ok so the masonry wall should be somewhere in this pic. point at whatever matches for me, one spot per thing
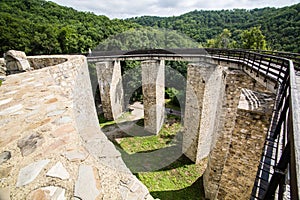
(221, 146)
(243, 158)
(57, 123)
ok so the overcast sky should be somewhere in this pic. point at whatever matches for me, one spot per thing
(132, 8)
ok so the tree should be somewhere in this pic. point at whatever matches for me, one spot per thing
(253, 39)
(223, 40)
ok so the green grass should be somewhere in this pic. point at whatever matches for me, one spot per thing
(181, 180)
(104, 122)
(148, 143)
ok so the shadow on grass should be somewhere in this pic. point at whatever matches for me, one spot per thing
(153, 160)
(193, 192)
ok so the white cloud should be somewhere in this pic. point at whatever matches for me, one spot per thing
(131, 8)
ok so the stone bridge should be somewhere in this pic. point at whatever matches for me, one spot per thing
(242, 112)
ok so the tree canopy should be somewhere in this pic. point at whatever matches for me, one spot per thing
(281, 26)
(43, 27)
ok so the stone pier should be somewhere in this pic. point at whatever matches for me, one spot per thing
(111, 89)
(204, 86)
(153, 80)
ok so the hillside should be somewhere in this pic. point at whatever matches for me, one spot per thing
(42, 27)
(280, 26)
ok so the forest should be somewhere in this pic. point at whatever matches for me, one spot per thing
(44, 27)
(281, 26)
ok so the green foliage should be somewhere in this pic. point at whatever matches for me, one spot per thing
(281, 26)
(223, 40)
(176, 96)
(43, 27)
(147, 38)
(253, 39)
(132, 81)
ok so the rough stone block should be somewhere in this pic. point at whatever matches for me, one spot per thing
(16, 61)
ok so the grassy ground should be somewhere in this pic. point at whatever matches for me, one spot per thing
(181, 180)
(148, 143)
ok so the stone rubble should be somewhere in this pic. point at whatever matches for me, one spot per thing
(75, 155)
(4, 194)
(30, 172)
(29, 144)
(87, 185)
(58, 171)
(16, 61)
(48, 193)
(4, 156)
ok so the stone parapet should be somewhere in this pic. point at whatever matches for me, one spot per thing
(51, 144)
(38, 62)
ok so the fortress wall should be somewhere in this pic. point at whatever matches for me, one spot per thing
(48, 117)
(243, 158)
(218, 158)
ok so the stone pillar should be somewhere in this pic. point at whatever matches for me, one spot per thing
(202, 100)
(193, 107)
(211, 106)
(153, 80)
(111, 89)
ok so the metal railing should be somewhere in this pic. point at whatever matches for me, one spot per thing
(283, 131)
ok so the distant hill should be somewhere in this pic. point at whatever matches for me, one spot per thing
(280, 26)
(42, 27)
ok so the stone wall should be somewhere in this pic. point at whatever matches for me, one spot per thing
(222, 147)
(51, 140)
(38, 62)
(153, 83)
(246, 146)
